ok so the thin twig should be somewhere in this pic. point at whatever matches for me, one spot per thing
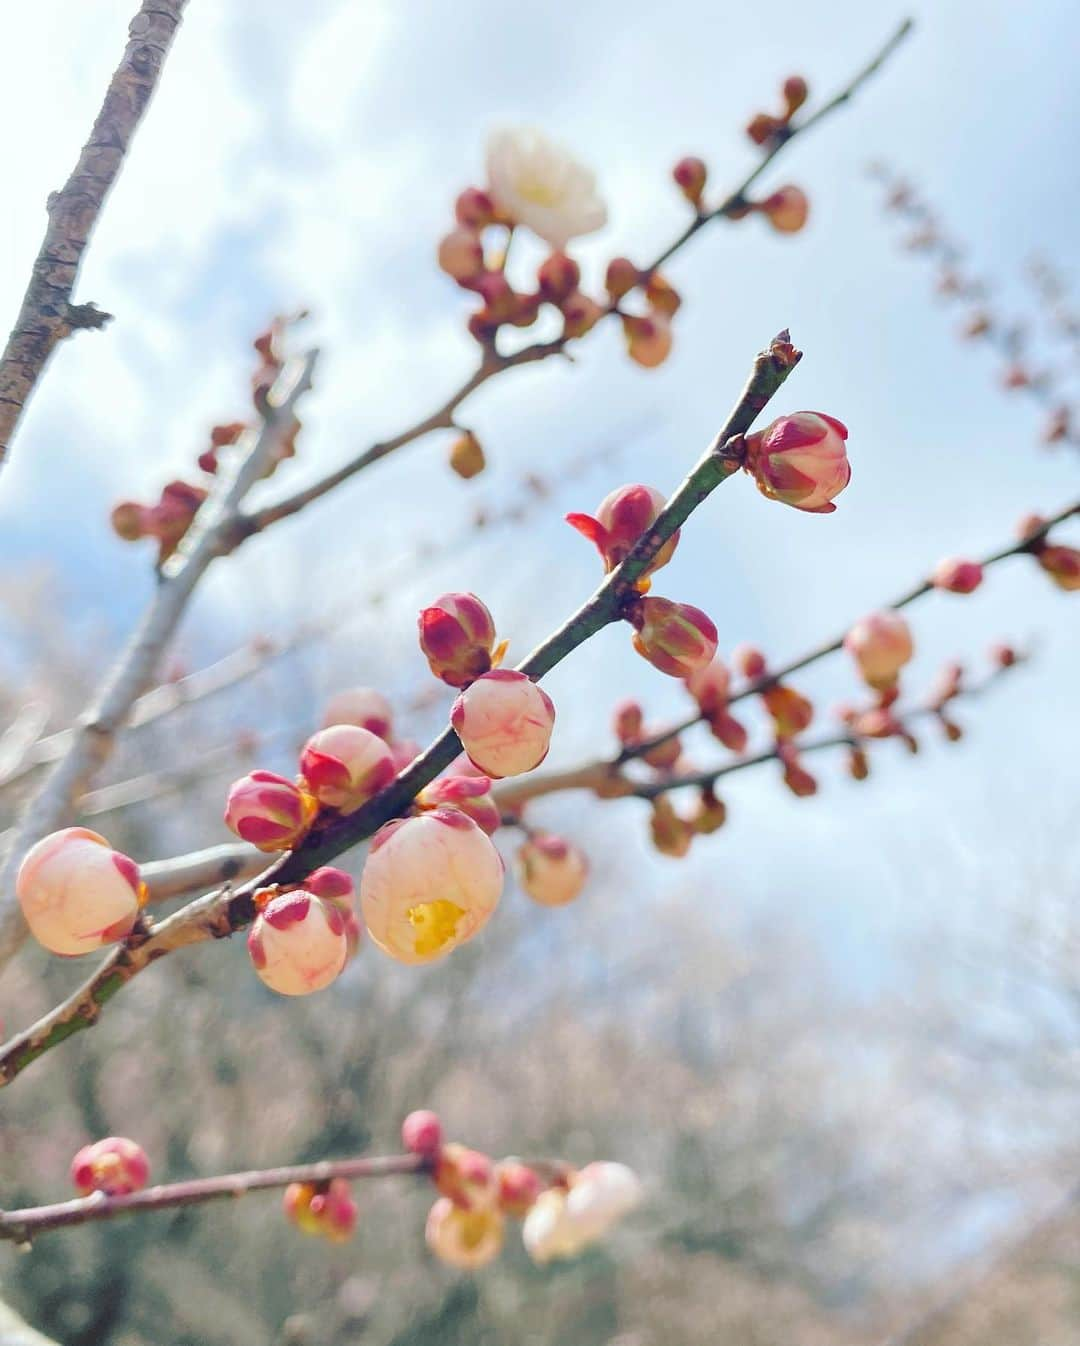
(47, 314)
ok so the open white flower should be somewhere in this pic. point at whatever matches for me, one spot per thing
(542, 186)
(562, 1224)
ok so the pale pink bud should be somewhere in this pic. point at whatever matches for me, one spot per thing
(429, 884)
(796, 92)
(786, 209)
(297, 943)
(551, 870)
(622, 517)
(269, 811)
(457, 636)
(76, 893)
(729, 731)
(690, 174)
(957, 576)
(344, 766)
(328, 1212)
(881, 645)
(504, 721)
(421, 1132)
(675, 638)
(710, 686)
(800, 460)
(600, 1196)
(628, 721)
(116, 1166)
(470, 794)
(664, 755)
(750, 662)
(362, 706)
(648, 339)
(466, 1239)
(517, 1186)
(558, 277)
(461, 255)
(474, 209)
(1062, 564)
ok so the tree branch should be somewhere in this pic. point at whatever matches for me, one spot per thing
(47, 314)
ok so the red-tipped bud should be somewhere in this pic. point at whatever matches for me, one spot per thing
(800, 460)
(762, 128)
(786, 209)
(332, 885)
(467, 456)
(621, 277)
(664, 755)
(324, 1211)
(648, 339)
(796, 92)
(422, 1132)
(675, 638)
(580, 314)
(474, 209)
(957, 576)
(558, 277)
(690, 175)
(1062, 564)
(729, 731)
(662, 296)
(76, 893)
(207, 461)
(797, 779)
(627, 721)
(790, 710)
(621, 519)
(116, 1166)
(881, 645)
(1004, 656)
(461, 256)
(551, 870)
(516, 1187)
(471, 794)
(297, 943)
(344, 766)
(457, 636)
(710, 687)
(750, 662)
(504, 721)
(269, 811)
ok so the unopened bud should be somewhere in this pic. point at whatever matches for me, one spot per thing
(457, 636)
(648, 339)
(690, 175)
(676, 638)
(467, 456)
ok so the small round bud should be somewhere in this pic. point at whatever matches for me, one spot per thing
(269, 811)
(504, 721)
(690, 175)
(628, 721)
(467, 456)
(1062, 564)
(622, 517)
(580, 314)
(297, 943)
(116, 1166)
(76, 893)
(750, 662)
(648, 339)
(130, 521)
(957, 576)
(208, 461)
(798, 780)
(457, 636)
(344, 766)
(421, 1132)
(674, 637)
(466, 1239)
(762, 128)
(429, 884)
(881, 645)
(559, 277)
(621, 277)
(474, 209)
(461, 256)
(800, 460)
(517, 1186)
(1003, 655)
(786, 210)
(796, 92)
(471, 794)
(362, 706)
(551, 870)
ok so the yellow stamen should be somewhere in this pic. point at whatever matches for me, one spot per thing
(435, 924)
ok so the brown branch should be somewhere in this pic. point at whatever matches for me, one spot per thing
(47, 314)
(219, 914)
(22, 1226)
(493, 362)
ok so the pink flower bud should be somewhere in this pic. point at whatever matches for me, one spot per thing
(327, 1212)
(115, 1166)
(762, 128)
(664, 755)
(461, 256)
(690, 175)
(466, 1239)
(675, 638)
(76, 893)
(269, 811)
(421, 1132)
(648, 339)
(517, 1187)
(466, 1177)
(628, 720)
(580, 314)
(297, 943)
(1004, 656)
(500, 300)
(457, 636)
(558, 277)
(467, 456)
(344, 766)
(474, 209)
(622, 276)
(332, 885)
(797, 779)
(710, 686)
(728, 730)
(470, 794)
(1062, 564)
(429, 884)
(790, 710)
(800, 460)
(551, 870)
(504, 721)
(957, 576)
(622, 517)
(361, 706)
(881, 645)
(796, 92)
(750, 662)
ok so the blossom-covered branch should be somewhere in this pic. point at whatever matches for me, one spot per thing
(47, 314)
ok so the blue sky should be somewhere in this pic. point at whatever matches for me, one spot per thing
(310, 154)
